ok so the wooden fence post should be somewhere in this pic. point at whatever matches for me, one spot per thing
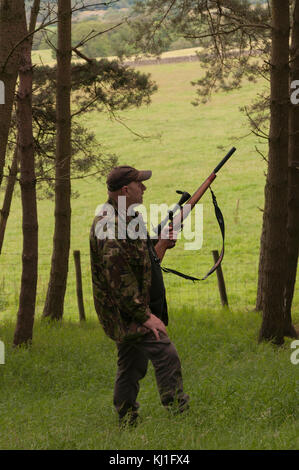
(220, 278)
(79, 285)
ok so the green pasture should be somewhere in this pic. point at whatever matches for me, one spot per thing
(42, 57)
(58, 394)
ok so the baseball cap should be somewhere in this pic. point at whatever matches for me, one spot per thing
(122, 175)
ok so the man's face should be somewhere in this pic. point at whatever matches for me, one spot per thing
(134, 192)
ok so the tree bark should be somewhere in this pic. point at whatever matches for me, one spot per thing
(275, 217)
(77, 260)
(293, 183)
(25, 319)
(12, 30)
(4, 212)
(61, 243)
(259, 297)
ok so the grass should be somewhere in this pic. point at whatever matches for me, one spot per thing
(58, 394)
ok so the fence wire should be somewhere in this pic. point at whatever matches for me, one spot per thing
(240, 276)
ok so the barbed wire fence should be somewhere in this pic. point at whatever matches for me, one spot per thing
(240, 281)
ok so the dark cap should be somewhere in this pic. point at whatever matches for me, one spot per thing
(122, 175)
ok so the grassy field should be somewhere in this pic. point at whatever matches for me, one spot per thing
(59, 393)
(45, 57)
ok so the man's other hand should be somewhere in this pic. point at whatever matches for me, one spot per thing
(155, 325)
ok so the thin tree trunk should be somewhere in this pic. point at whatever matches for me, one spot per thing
(12, 30)
(61, 243)
(79, 285)
(275, 218)
(4, 212)
(293, 183)
(33, 19)
(24, 327)
(259, 297)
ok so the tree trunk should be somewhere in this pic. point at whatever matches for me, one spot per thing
(12, 30)
(275, 217)
(4, 212)
(293, 183)
(24, 327)
(61, 242)
(259, 297)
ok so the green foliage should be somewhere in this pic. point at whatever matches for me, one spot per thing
(115, 42)
(97, 47)
(111, 85)
(228, 33)
(103, 86)
(110, 39)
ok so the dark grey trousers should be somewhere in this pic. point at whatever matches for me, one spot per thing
(132, 364)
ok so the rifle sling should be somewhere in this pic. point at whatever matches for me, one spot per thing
(220, 220)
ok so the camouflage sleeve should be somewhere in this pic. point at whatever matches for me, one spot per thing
(123, 262)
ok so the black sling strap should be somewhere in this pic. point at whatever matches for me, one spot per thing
(220, 220)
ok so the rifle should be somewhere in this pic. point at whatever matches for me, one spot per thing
(184, 210)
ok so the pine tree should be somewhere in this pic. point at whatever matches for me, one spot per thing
(24, 328)
(61, 242)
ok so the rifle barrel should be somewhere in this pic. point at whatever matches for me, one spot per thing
(186, 209)
(224, 160)
(178, 219)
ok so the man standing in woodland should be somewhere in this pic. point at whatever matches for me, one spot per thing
(129, 296)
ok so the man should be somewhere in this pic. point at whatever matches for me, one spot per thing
(129, 296)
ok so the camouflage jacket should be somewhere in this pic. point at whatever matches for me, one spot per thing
(121, 279)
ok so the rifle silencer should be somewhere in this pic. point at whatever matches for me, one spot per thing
(224, 160)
